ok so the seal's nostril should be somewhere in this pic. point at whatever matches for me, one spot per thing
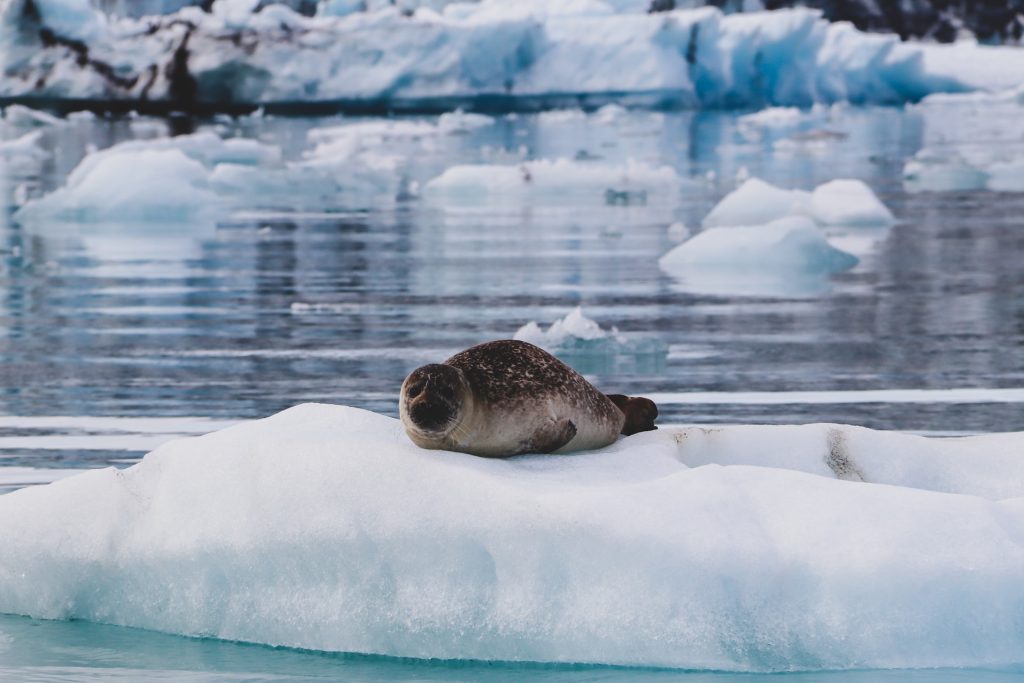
(415, 390)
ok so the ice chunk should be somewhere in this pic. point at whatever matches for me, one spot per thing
(848, 202)
(23, 147)
(936, 172)
(793, 243)
(147, 185)
(323, 528)
(591, 349)
(755, 202)
(459, 121)
(559, 181)
(946, 171)
(574, 325)
(839, 202)
(25, 117)
(786, 257)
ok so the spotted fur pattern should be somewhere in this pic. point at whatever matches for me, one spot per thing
(524, 400)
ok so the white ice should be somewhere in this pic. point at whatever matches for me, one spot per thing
(559, 181)
(736, 548)
(788, 256)
(690, 57)
(839, 202)
(970, 142)
(575, 325)
(144, 185)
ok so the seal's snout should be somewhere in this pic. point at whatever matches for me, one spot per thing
(640, 413)
(431, 398)
(431, 413)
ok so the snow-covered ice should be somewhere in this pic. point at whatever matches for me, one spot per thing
(738, 548)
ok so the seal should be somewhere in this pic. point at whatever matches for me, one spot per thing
(509, 397)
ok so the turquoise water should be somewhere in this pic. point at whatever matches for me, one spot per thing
(76, 652)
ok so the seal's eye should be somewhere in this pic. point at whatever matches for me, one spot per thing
(415, 390)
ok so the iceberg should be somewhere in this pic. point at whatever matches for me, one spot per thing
(732, 548)
(492, 55)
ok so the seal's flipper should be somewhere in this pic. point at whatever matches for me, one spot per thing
(550, 437)
(640, 413)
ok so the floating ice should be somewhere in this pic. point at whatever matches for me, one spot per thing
(145, 185)
(556, 181)
(839, 202)
(574, 325)
(785, 257)
(167, 180)
(25, 146)
(848, 202)
(955, 157)
(755, 202)
(244, 52)
(793, 242)
(934, 170)
(322, 527)
(25, 117)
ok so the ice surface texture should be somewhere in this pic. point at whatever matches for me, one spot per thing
(510, 51)
(761, 548)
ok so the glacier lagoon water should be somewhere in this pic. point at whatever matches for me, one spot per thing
(77, 652)
(154, 325)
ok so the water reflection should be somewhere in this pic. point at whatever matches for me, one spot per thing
(258, 313)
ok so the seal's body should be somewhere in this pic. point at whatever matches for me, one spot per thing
(504, 398)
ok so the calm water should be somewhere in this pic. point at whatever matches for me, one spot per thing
(79, 652)
(327, 301)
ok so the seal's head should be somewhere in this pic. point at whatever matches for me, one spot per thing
(433, 400)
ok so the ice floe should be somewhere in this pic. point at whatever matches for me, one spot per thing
(735, 548)
(245, 52)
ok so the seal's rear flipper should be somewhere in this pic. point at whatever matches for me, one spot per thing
(640, 413)
(550, 437)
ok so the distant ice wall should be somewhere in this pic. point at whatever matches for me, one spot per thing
(504, 53)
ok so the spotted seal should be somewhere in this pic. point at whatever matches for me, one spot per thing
(509, 397)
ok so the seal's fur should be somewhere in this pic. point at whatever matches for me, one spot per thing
(509, 397)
